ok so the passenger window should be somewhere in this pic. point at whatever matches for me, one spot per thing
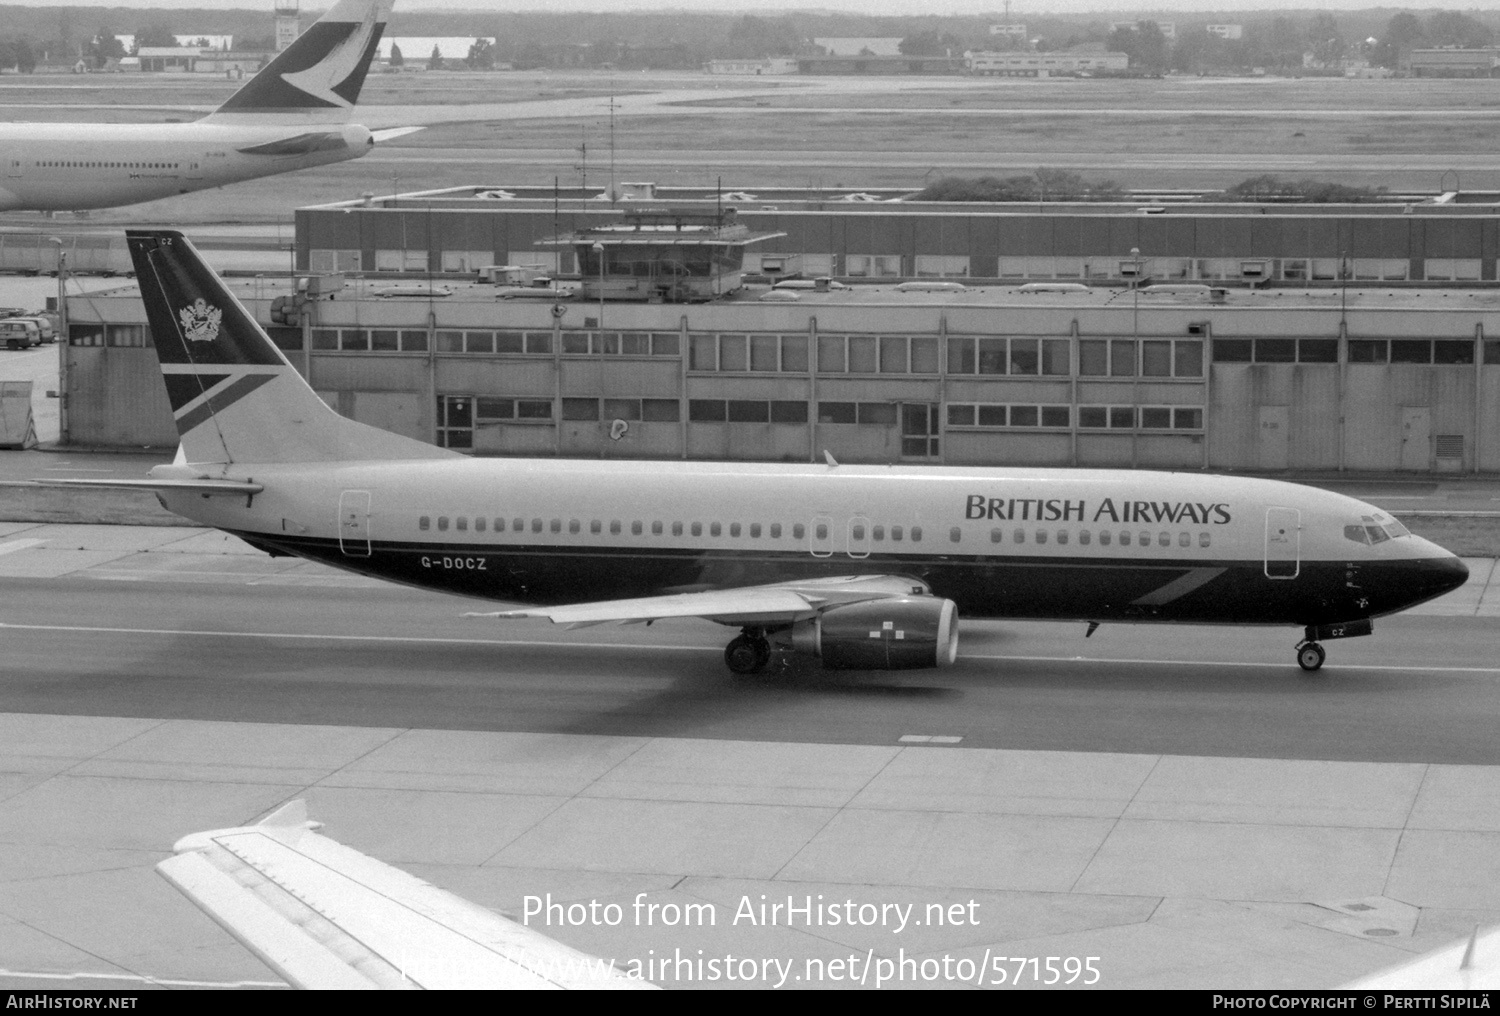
(614, 527)
(1124, 539)
(798, 531)
(461, 524)
(734, 529)
(442, 523)
(755, 530)
(479, 525)
(996, 535)
(896, 533)
(1062, 536)
(656, 529)
(775, 530)
(1145, 539)
(822, 531)
(499, 525)
(1104, 538)
(1019, 536)
(1184, 539)
(536, 525)
(1041, 536)
(1204, 539)
(697, 529)
(916, 534)
(955, 534)
(1084, 537)
(714, 529)
(636, 529)
(858, 532)
(877, 533)
(677, 529)
(425, 523)
(520, 525)
(596, 527)
(556, 525)
(574, 526)
(1164, 539)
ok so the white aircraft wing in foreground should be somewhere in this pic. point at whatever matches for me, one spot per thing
(323, 915)
(1470, 965)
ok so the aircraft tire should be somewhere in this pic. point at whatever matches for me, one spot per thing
(746, 655)
(1310, 656)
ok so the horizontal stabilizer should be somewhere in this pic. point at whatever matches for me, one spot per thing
(205, 487)
(323, 915)
(392, 133)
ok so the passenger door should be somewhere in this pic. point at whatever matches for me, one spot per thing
(1283, 543)
(354, 523)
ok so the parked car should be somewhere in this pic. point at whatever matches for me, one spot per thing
(19, 333)
(44, 325)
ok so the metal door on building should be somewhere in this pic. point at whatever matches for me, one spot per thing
(354, 523)
(1283, 543)
(1416, 438)
(919, 430)
(1273, 437)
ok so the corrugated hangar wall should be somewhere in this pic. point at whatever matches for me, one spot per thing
(1425, 245)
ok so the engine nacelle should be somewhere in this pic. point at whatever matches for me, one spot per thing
(901, 633)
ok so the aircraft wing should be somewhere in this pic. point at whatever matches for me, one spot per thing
(323, 915)
(1470, 965)
(391, 133)
(781, 602)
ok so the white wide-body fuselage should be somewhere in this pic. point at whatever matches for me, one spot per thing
(77, 166)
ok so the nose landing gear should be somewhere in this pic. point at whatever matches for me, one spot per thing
(748, 653)
(1310, 656)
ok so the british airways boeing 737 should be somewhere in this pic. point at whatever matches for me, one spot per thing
(292, 115)
(864, 567)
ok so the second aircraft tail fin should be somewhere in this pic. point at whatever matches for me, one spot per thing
(317, 78)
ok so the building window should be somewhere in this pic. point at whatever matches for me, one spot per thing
(942, 266)
(455, 424)
(872, 266)
(1014, 356)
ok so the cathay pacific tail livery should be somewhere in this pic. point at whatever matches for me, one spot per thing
(864, 567)
(293, 115)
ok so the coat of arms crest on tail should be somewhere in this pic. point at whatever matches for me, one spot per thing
(200, 322)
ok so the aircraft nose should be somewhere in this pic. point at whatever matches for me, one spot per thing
(1429, 577)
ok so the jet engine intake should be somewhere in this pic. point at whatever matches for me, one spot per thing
(900, 633)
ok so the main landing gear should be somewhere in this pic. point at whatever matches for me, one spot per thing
(748, 653)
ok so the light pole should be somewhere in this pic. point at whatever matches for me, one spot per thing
(63, 341)
(599, 253)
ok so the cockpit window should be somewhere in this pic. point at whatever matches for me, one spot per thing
(1377, 534)
(1356, 533)
(1396, 529)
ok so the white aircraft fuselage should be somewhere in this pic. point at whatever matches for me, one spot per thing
(74, 166)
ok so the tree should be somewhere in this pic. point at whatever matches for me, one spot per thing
(103, 48)
(435, 62)
(1403, 33)
(397, 60)
(1450, 28)
(1144, 44)
(481, 55)
(752, 37)
(155, 33)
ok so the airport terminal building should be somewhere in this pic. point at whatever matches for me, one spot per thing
(901, 360)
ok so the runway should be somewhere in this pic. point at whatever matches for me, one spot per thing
(181, 623)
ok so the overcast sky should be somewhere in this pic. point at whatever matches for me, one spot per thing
(1019, 8)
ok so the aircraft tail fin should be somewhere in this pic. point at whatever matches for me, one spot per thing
(318, 77)
(235, 397)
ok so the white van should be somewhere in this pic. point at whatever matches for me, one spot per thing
(43, 325)
(19, 333)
